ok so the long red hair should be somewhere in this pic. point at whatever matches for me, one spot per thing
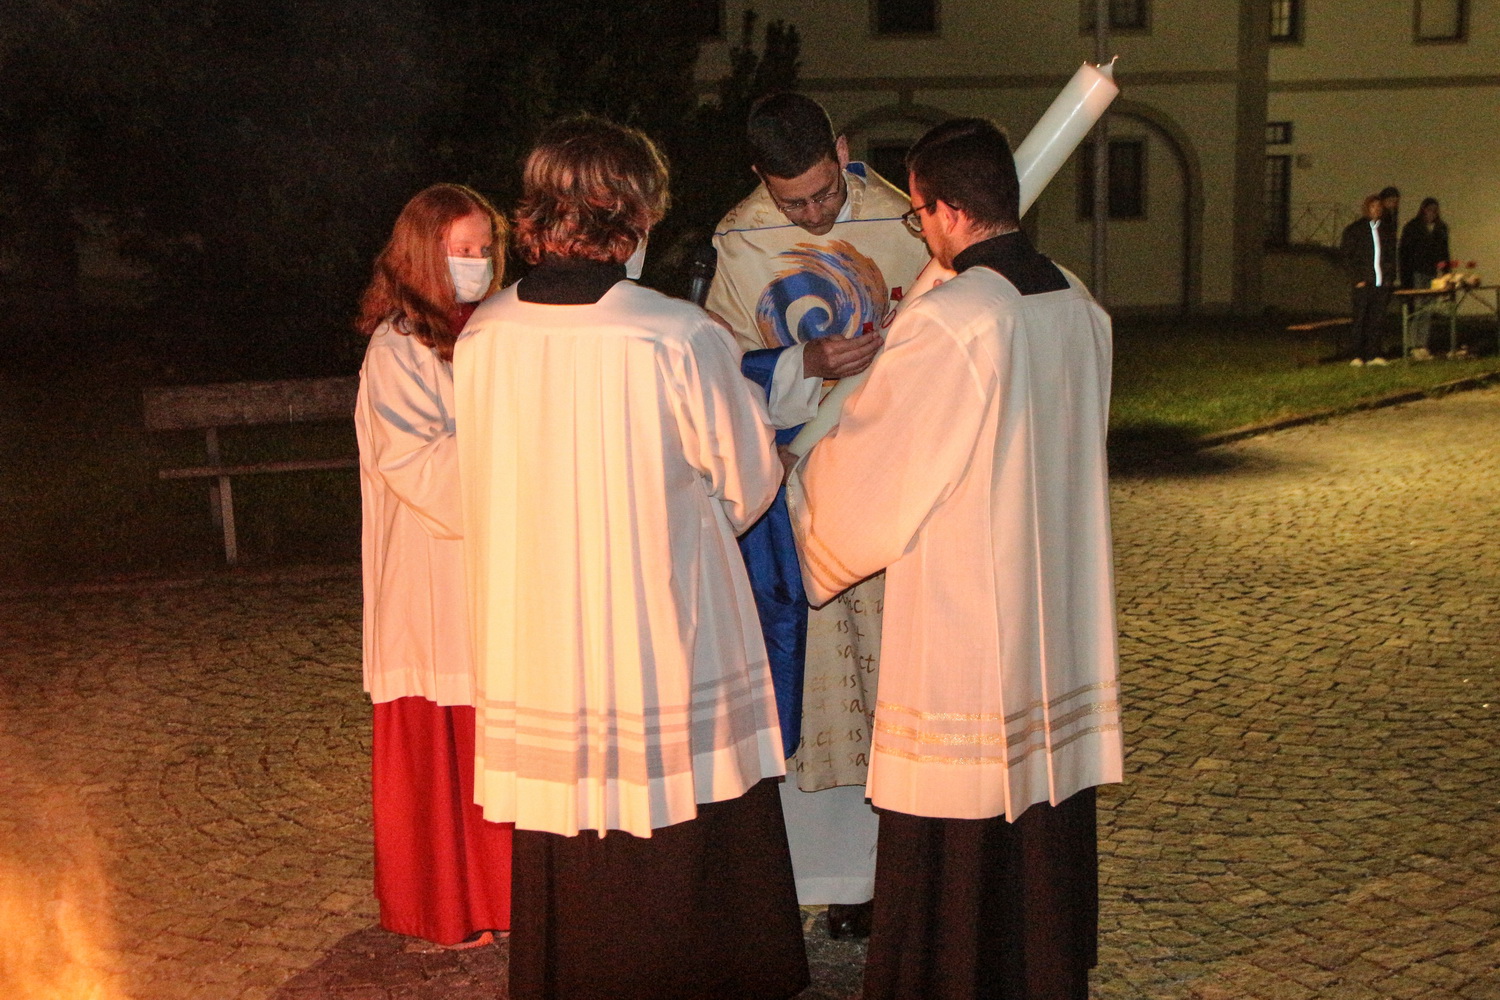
(411, 288)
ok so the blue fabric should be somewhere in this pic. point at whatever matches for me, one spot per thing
(770, 552)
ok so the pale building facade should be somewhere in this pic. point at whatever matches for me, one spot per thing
(1241, 123)
(1387, 92)
(1186, 134)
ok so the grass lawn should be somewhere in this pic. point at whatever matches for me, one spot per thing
(1193, 377)
(80, 497)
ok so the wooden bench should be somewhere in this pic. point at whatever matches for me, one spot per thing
(1321, 324)
(247, 404)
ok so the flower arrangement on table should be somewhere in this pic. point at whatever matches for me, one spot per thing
(1455, 274)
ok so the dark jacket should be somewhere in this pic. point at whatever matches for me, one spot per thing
(1422, 249)
(1359, 253)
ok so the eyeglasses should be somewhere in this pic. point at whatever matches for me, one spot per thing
(803, 204)
(913, 221)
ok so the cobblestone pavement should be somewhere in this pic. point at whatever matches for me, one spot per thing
(1311, 626)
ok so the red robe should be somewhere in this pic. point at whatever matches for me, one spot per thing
(441, 871)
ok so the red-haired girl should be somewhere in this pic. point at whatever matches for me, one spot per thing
(441, 871)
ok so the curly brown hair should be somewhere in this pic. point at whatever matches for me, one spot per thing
(590, 189)
(411, 288)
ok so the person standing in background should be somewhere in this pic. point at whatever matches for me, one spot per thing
(1390, 210)
(1424, 246)
(1370, 259)
(441, 871)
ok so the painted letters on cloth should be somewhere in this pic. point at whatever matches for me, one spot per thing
(838, 707)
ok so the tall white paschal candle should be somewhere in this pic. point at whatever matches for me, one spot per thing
(1049, 144)
(1038, 159)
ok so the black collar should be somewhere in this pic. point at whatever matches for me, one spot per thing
(569, 281)
(1012, 256)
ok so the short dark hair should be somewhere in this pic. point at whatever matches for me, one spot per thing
(1390, 192)
(590, 189)
(789, 134)
(967, 163)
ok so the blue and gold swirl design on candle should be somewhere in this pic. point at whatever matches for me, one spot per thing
(820, 291)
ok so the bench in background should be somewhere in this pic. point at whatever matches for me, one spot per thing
(248, 404)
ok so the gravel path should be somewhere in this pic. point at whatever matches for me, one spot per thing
(1311, 633)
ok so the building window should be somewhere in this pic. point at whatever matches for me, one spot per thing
(905, 17)
(1442, 20)
(1278, 200)
(1127, 179)
(1124, 15)
(1278, 133)
(1286, 20)
(888, 159)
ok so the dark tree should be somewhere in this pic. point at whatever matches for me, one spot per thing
(251, 154)
(711, 158)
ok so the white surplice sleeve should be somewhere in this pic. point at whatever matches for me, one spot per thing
(861, 495)
(409, 394)
(725, 432)
(794, 397)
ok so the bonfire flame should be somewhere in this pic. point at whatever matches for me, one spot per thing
(56, 930)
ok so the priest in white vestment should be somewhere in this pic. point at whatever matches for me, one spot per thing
(815, 255)
(972, 467)
(609, 452)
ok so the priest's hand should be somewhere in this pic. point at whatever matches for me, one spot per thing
(839, 357)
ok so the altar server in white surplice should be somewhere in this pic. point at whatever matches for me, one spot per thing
(609, 451)
(815, 255)
(442, 872)
(972, 466)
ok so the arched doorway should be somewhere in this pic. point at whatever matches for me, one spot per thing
(880, 135)
(1175, 140)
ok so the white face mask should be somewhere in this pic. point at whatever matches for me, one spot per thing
(636, 261)
(471, 277)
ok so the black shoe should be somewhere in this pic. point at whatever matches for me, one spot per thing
(850, 920)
